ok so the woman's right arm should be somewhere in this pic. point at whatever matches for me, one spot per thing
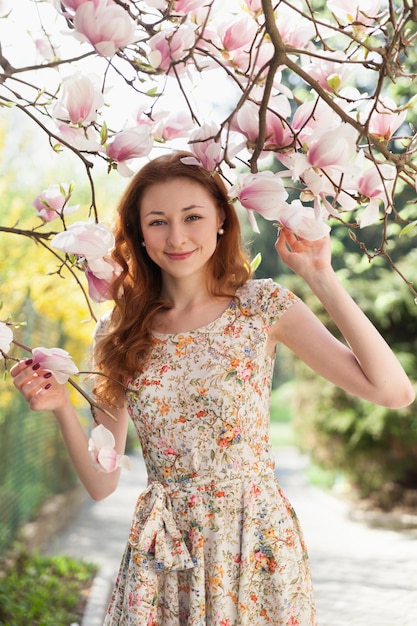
(43, 393)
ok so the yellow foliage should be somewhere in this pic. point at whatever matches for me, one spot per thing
(28, 277)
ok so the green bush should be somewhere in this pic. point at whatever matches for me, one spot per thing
(370, 444)
(39, 590)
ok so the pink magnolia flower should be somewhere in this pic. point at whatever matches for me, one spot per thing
(102, 453)
(207, 149)
(85, 139)
(263, 193)
(362, 11)
(246, 121)
(44, 49)
(56, 361)
(325, 151)
(376, 185)
(278, 134)
(79, 100)
(312, 118)
(99, 289)
(254, 63)
(384, 119)
(101, 273)
(106, 25)
(171, 45)
(52, 202)
(302, 221)
(129, 144)
(167, 126)
(255, 6)
(331, 73)
(188, 6)
(85, 239)
(294, 29)
(238, 33)
(6, 338)
(74, 4)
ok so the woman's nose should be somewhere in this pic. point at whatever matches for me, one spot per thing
(176, 235)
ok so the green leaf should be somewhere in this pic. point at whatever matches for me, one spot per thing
(256, 261)
(153, 92)
(103, 133)
(408, 228)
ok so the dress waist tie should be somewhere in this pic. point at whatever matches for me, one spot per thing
(154, 537)
(155, 546)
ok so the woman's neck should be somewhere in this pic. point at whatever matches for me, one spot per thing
(193, 306)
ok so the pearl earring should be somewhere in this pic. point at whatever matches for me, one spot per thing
(143, 244)
(220, 231)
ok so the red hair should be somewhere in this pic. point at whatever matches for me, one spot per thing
(122, 351)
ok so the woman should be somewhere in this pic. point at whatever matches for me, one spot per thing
(187, 353)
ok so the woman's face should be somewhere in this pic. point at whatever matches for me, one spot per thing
(179, 221)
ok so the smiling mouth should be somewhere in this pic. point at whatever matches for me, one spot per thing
(179, 256)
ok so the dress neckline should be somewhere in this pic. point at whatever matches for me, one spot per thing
(200, 329)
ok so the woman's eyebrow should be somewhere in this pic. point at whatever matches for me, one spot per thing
(186, 208)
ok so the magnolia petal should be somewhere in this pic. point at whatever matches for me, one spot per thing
(102, 437)
(124, 170)
(191, 161)
(56, 361)
(60, 377)
(371, 213)
(107, 459)
(6, 337)
(252, 221)
(123, 461)
(105, 48)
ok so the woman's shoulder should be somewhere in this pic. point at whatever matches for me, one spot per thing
(265, 296)
(102, 325)
(263, 288)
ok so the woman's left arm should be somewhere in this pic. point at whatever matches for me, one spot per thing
(366, 366)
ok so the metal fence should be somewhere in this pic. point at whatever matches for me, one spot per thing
(33, 461)
(33, 466)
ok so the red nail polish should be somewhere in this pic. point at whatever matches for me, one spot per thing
(48, 386)
(29, 361)
(48, 375)
(36, 366)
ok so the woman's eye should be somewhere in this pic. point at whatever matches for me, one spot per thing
(156, 223)
(193, 218)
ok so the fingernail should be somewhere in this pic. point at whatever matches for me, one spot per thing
(36, 366)
(48, 386)
(48, 375)
(29, 361)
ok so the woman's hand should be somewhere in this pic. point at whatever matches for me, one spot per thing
(38, 386)
(301, 255)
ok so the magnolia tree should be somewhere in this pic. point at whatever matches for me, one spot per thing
(294, 103)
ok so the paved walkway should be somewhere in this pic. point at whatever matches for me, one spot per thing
(363, 576)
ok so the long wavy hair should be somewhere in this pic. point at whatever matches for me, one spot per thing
(121, 351)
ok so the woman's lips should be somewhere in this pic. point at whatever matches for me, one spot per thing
(179, 256)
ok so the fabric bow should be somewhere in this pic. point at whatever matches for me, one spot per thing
(155, 547)
(154, 535)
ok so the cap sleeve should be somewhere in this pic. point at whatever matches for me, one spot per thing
(269, 299)
(101, 327)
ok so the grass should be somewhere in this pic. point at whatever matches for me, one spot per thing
(44, 591)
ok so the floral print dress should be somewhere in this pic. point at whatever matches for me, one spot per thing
(214, 541)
